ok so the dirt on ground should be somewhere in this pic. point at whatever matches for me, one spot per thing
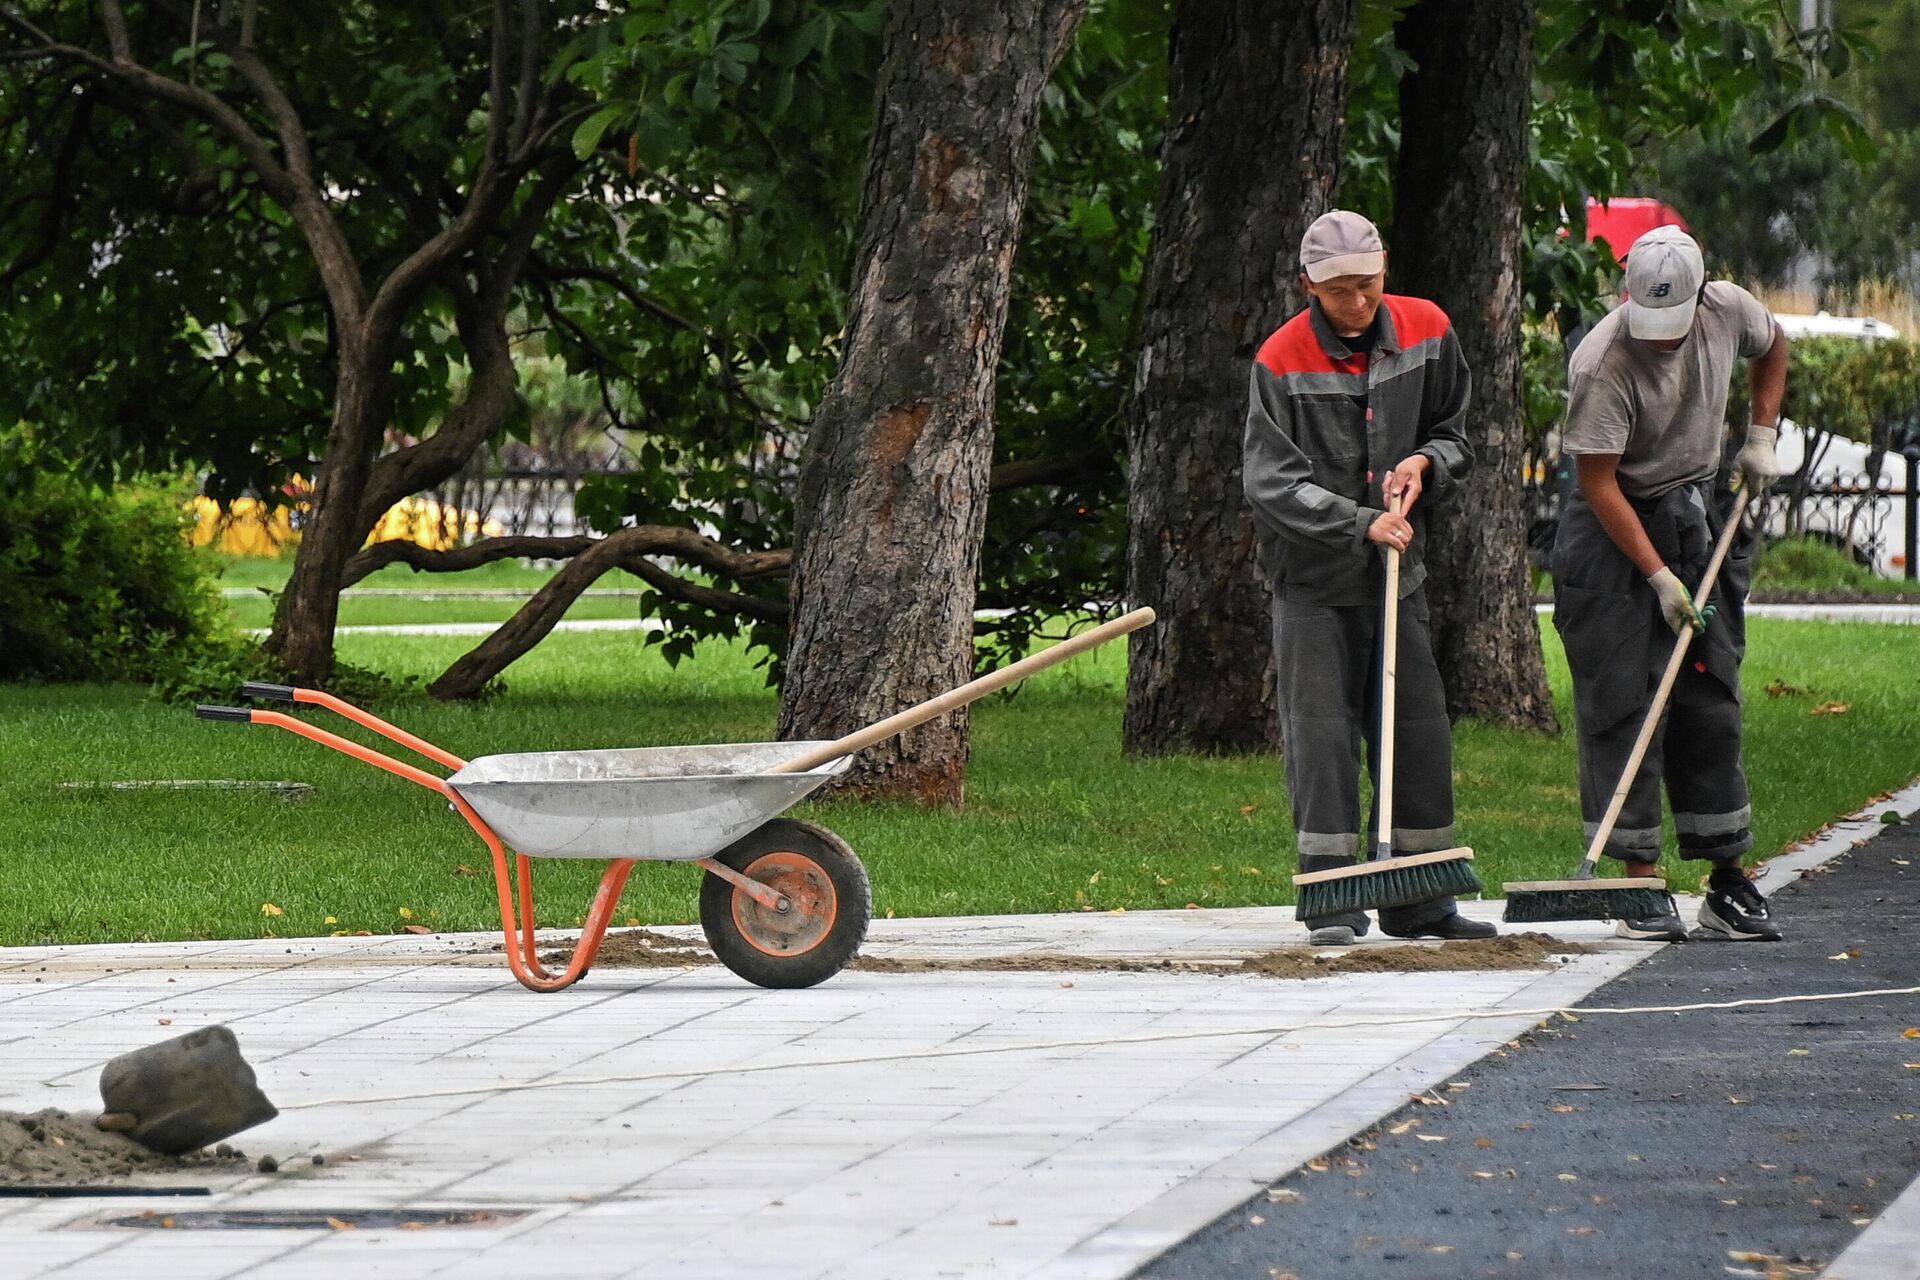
(55, 1148)
(643, 948)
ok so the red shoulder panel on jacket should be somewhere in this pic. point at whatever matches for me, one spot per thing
(1415, 319)
(1292, 348)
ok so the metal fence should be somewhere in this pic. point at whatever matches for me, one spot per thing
(517, 490)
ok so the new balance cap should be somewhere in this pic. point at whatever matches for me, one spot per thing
(1341, 243)
(1664, 276)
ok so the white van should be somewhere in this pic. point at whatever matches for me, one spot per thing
(1873, 532)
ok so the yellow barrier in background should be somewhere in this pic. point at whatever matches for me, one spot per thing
(250, 527)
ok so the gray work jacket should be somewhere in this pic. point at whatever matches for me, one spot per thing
(1324, 426)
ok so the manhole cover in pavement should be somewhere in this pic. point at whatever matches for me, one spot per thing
(314, 1219)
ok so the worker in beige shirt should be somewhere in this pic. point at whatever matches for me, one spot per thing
(1646, 422)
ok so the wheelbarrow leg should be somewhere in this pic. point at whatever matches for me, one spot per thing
(529, 951)
(523, 956)
(599, 917)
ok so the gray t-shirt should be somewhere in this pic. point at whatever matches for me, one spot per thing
(1663, 412)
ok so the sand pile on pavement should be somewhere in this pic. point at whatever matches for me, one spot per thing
(644, 948)
(1509, 951)
(54, 1148)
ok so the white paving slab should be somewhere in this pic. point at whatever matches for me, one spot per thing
(1889, 1249)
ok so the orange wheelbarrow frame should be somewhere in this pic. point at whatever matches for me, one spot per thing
(512, 884)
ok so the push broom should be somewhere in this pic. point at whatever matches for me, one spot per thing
(1586, 897)
(1384, 880)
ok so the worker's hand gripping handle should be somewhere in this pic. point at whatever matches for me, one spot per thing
(243, 715)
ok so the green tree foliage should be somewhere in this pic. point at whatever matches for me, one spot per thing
(1614, 81)
(754, 272)
(163, 308)
(1826, 162)
(1863, 391)
(1069, 349)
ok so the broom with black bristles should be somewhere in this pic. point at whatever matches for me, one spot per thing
(1586, 897)
(1384, 880)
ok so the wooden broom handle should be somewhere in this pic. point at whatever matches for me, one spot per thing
(954, 699)
(1389, 672)
(1672, 673)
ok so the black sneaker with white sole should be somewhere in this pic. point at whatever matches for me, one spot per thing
(1734, 910)
(1665, 927)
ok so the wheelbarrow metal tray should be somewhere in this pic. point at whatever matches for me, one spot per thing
(660, 803)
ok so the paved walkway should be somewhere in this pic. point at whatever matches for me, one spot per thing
(704, 1145)
(1906, 614)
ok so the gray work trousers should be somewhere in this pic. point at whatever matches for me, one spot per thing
(1328, 660)
(1617, 647)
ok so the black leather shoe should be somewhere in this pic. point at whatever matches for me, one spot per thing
(1453, 928)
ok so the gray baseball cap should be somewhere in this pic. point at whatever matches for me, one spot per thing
(1664, 277)
(1341, 243)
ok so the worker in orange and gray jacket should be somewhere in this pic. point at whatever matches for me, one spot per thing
(1357, 401)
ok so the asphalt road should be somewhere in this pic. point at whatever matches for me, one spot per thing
(1646, 1145)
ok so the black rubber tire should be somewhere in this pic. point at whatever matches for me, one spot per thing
(820, 868)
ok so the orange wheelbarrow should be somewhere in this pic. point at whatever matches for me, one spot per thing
(785, 903)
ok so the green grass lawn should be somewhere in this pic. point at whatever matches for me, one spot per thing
(256, 571)
(384, 610)
(379, 599)
(1057, 818)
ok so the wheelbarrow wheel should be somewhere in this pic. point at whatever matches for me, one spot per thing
(825, 920)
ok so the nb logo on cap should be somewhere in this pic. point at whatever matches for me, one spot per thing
(1660, 290)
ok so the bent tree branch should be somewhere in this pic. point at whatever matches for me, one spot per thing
(634, 549)
(628, 549)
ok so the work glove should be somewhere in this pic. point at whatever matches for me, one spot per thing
(1676, 606)
(1755, 466)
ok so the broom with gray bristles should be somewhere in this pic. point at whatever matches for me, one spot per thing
(1586, 897)
(1384, 880)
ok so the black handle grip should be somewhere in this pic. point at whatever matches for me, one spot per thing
(243, 715)
(267, 692)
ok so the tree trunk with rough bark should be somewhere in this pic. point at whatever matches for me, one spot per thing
(1456, 239)
(1256, 126)
(893, 489)
(302, 636)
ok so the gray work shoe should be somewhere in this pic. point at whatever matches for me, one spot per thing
(1453, 928)
(1338, 931)
(1665, 927)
